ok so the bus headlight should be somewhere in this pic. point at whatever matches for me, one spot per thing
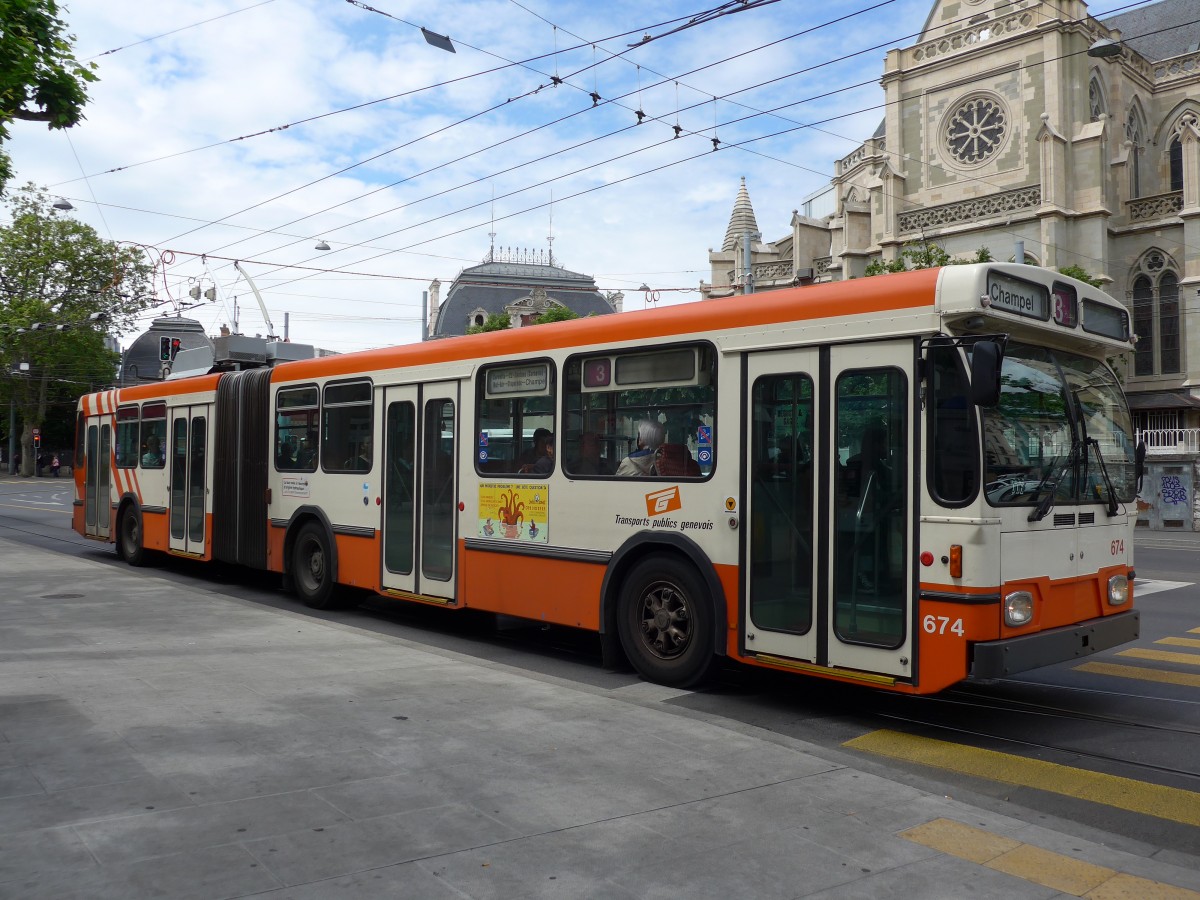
(1018, 608)
(1118, 590)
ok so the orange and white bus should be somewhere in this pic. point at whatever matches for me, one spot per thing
(903, 481)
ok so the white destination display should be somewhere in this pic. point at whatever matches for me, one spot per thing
(518, 380)
(1016, 296)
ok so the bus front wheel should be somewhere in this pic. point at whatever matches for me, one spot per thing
(129, 537)
(312, 573)
(665, 622)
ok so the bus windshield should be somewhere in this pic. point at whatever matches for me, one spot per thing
(1062, 427)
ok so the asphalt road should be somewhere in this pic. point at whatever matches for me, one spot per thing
(1131, 713)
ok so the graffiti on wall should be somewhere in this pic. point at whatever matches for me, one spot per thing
(1173, 490)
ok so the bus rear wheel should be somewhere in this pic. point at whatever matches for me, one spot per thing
(312, 573)
(129, 537)
(665, 622)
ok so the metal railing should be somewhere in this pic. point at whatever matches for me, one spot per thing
(1169, 440)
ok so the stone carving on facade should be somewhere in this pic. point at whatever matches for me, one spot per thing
(1177, 67)
(969, 37)
(970, 210)
(975, 131)
(821, 265)
(775, 271)
(1160, 206)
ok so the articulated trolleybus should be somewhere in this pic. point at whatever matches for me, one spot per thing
(903, 481)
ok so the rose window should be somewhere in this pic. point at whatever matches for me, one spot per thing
(975, 130)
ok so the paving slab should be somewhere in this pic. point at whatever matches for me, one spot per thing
(168, 740)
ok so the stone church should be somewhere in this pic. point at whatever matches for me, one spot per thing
(1030, 124)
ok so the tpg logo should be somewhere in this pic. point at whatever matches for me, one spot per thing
(664, 501)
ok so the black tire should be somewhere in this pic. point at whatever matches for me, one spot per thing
(129, 537)
(312, 568)
(666, 623)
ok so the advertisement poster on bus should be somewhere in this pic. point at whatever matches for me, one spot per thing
(514, 512)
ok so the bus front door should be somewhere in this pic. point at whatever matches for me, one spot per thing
(97, 504)
(780, 608)
(188, 494)
(829, 506)
(420, 494)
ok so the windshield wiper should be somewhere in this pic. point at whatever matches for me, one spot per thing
(1050, 479)
(1111, 505)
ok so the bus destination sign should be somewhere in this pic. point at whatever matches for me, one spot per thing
(1016, 296)
(518, 380)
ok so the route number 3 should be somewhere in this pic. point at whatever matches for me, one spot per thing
(941, 624)
(1117, 548)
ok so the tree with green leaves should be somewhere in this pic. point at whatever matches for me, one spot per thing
(494, 322)
(924, 255)
(1080, 274)
(62, 287)
(40, 79)
(556, 314)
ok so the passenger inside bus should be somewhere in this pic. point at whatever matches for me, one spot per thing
(306, 457)
(545, 461)
(641, 461)
(362, 461)
(284, 457)
(152, 458)
(590, 461)
(532, 454)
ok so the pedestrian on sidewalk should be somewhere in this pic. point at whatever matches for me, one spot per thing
(55, 465)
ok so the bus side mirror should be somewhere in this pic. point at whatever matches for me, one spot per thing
(987, 357)
(1139, 464)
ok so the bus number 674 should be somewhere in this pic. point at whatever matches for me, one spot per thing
(941, 624)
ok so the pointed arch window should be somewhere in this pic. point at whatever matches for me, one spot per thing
(1135, 133)
(1175, 148)
(1168, 323)
(1096, 103)
(1156, 319)
(1175, 155)
(1143, 325)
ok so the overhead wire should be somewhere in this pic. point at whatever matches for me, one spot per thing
(577, 195)
(568, 116)
(736, 144)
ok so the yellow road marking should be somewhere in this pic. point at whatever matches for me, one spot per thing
(1179, 642)
(1053, 870)
(1140, 673)
(1123, 793)
(1187, 659)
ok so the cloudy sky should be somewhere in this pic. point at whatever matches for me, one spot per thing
(253, 129)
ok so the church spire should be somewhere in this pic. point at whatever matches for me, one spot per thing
(741, 220)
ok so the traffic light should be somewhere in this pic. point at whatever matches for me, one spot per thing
(37, 442)
(164, 348)
(174, 348)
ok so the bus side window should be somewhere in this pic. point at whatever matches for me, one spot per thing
(297, 412)
(346, 425)
(641, 414)
(515, 415)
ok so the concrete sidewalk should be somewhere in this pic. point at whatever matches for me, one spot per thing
(160, 741)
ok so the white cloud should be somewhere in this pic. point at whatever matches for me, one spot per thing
(288, 60)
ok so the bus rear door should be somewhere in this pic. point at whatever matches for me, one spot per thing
(96, 500)
(420, 494)
(189, 491)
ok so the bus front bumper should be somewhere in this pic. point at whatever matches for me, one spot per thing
(996, 659)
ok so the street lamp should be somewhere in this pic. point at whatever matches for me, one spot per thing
(63, 204)
(1104, 48)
